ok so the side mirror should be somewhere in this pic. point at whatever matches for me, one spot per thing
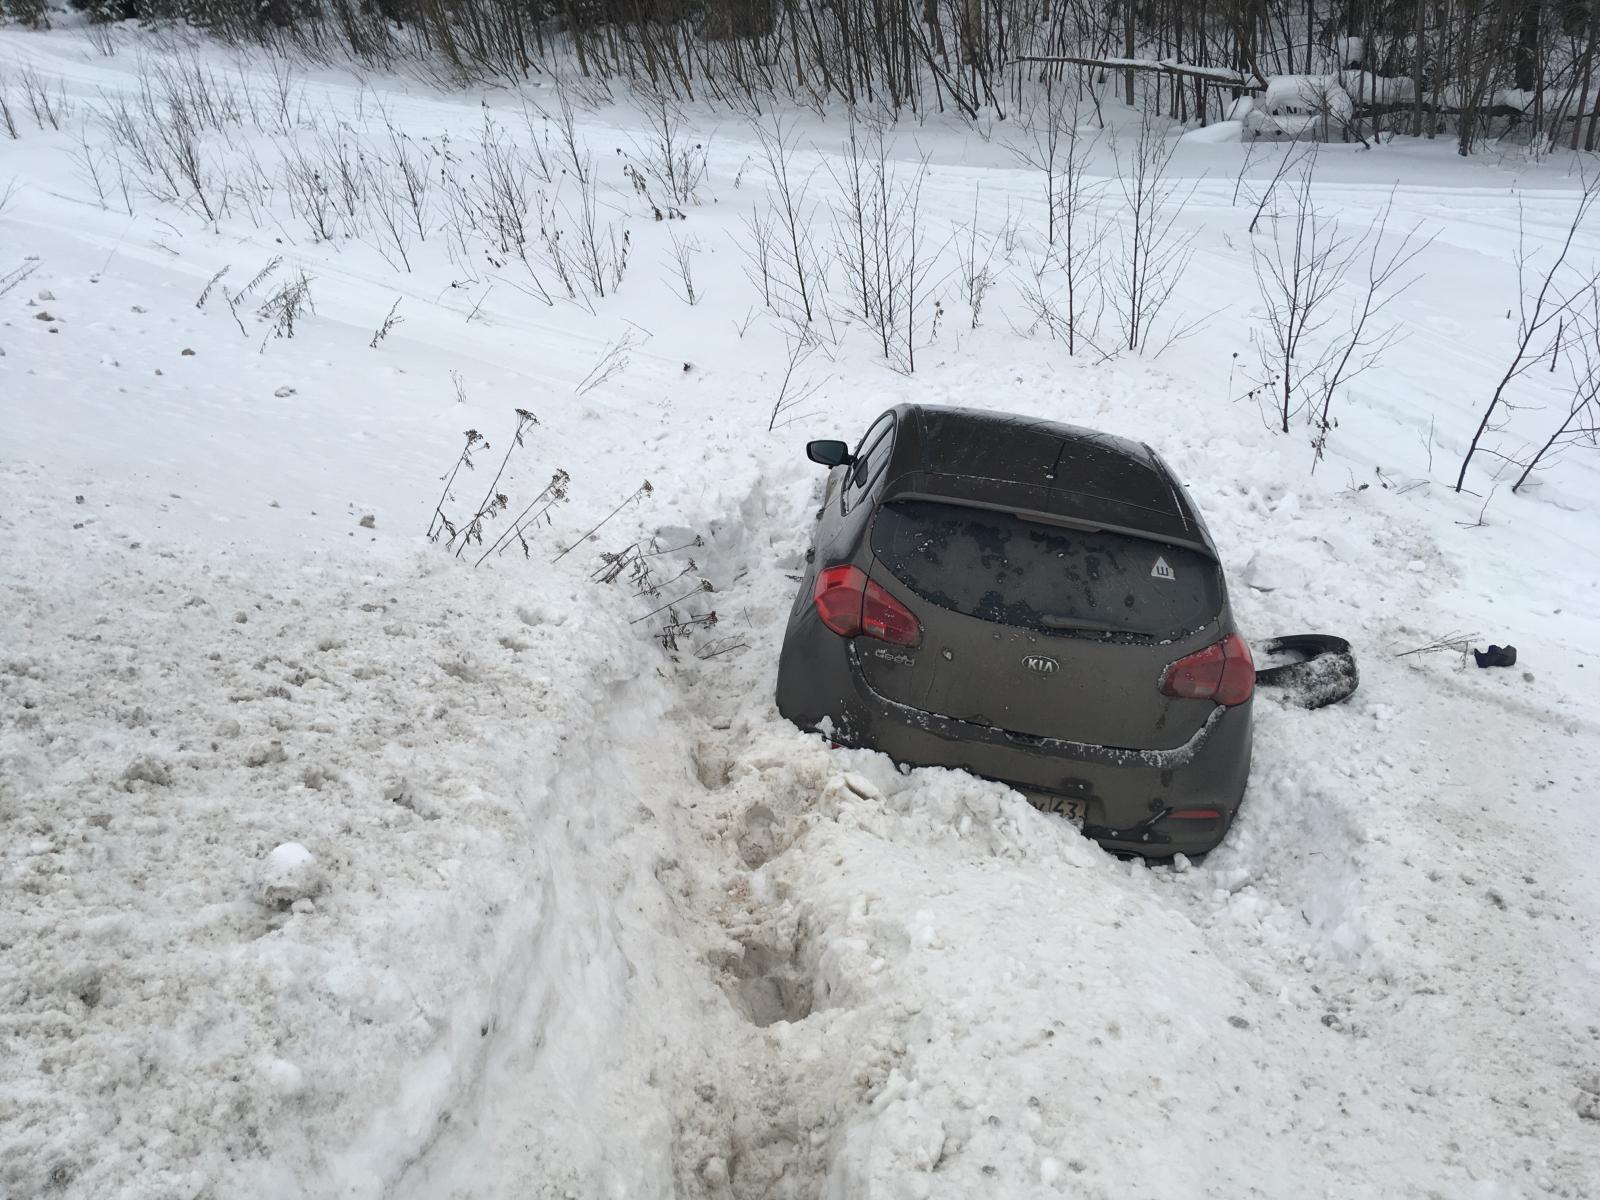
(828, 453)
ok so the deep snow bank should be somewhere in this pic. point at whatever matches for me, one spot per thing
(172, 715)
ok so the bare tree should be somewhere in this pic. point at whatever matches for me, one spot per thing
(1081, 237)
(1294, 155)
(1298, 274)
(1150, 256)
(854, 220)
(976, 266)
(794, 392)
(801, 280)
(1539, 314)
(1367, 337)
(1051, 132)
(1581, 424)
(916, 264)
(880, 238)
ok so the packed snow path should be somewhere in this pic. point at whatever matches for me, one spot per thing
(596, 922)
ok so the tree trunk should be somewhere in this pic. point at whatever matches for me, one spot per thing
(1588, 73)
(1127, 49)
(1527, 54)
(1417, 68)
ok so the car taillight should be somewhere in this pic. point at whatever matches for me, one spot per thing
(1224, 672)
(852, 605)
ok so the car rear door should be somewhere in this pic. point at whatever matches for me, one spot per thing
(1041, 629)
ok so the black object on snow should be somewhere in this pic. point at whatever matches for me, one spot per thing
(1496, 656)
(1323, 674)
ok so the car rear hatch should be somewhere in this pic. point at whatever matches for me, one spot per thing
(1042, 628)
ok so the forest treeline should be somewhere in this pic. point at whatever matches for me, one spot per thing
(1467, 68)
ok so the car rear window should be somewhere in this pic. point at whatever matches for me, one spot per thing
(1003, 568)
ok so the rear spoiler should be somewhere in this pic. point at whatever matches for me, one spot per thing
(1052, 506)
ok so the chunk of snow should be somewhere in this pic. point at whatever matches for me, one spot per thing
(147, 768)
(288, 874)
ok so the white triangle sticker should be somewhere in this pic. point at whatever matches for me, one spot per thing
(1161, 570)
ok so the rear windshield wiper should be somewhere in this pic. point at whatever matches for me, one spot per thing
(1053, 622)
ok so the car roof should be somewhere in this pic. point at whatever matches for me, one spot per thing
(1077, 475)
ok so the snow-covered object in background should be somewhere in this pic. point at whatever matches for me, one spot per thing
(1365, 87)
(1516, 99)
(289, 874)
(1308, 107)
(1348, 50)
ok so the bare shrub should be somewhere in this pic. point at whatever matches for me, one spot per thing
(412, 181)
(976, 266)
(391, 224)
(639, 493)
(1540, 313)
(500, 190)
(1064, 293)
(587, 253)
(601, 255)
(8, 119)
(798, 271)
(881, 241)
(536, 510)
(1051, 146)
(759, 249)
(571, 154)
(613, 360)
(1150, 255)
(440, 524)
(1298, 275)
(494, 501)
(310, 196)
(287, 95)
(1294, 155)
(1367, 337)
(344, 169)
(12, 278)
(1580, 426)
(205, 292)
(102, 37)
(389, 323)
(47, 99)
(794, 392)
(542, 154)
(286, 308)
(671, 154)
(88, 161)
(682, 261)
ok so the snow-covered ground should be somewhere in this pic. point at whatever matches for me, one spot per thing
(584, 918)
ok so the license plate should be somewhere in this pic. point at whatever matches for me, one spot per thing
(1065, 806)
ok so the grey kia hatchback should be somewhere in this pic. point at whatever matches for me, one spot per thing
(1034, 603)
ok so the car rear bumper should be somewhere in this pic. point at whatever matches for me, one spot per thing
(1129, 796)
